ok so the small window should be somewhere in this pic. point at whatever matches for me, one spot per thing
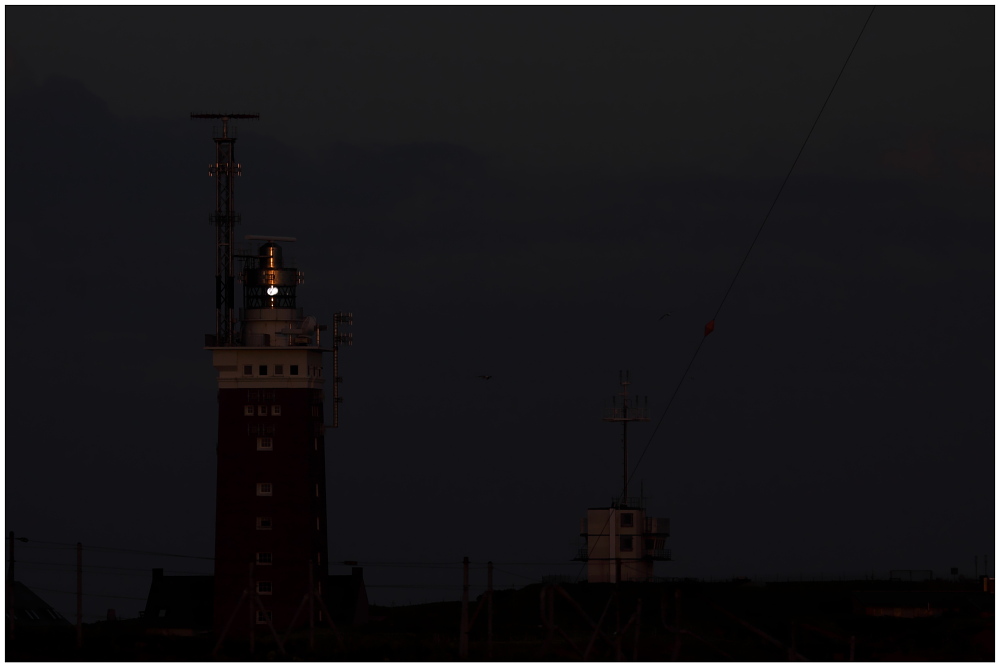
(317, 490)
(264, 616)
(248, 411)
(263, 489)
(279, 369)
(264, 559)
(261, 410)
(263, 523)
(649, 543)
(262, 369)
(627, 520)
(317, 524)
(293, 369)
(263, 587)
(315, 411)
(316, 443)
(275, 410)
(247, 369)
(265, 443)
(626, 544)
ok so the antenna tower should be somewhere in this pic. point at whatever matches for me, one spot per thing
(225, 170)
(339, 338)
(629, 410)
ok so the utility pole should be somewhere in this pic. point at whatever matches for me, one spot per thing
(10, 582)
(629, 411)
(339, 338)
(463, 638)
(489, 610)
(252, 590)
(79, 595)
(312, 610)
(10, 586)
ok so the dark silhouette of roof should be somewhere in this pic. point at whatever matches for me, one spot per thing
(347, 598)
(179, 601)
(31, 611)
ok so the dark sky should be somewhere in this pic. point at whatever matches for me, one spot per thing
(520, 192)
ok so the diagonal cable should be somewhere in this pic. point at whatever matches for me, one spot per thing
(754, 241)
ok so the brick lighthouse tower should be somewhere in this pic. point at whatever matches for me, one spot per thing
(270, 520)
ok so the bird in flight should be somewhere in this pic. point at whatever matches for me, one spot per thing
(484, 377)
(662, 316)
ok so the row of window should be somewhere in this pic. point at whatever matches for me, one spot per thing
(261, 410)
(267, 559)
(266, 587)
(257, 429)
(266, 489)
(266, 443)
(264, 524)
(626, 543)
(279, 369)
(249, 410)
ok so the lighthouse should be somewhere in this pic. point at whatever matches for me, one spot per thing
(270, 516)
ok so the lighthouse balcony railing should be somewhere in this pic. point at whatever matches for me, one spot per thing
(630, 502)
(299, 313)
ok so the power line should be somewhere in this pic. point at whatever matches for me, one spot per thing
(101, 548)
(88, 593)
(740, 268)
(516, 575)
(96, 569)
(756, 236)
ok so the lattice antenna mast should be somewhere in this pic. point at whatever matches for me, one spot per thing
(225, 170)
(339, 338)
(629, 410)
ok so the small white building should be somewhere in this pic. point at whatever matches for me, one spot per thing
(622, 542)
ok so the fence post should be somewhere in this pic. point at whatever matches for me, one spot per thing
(253, 628)
(489, 610)
(312, 609)
(79, 595)
(463, 637)
(638, 623)
(676, 652)
(597, 629)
